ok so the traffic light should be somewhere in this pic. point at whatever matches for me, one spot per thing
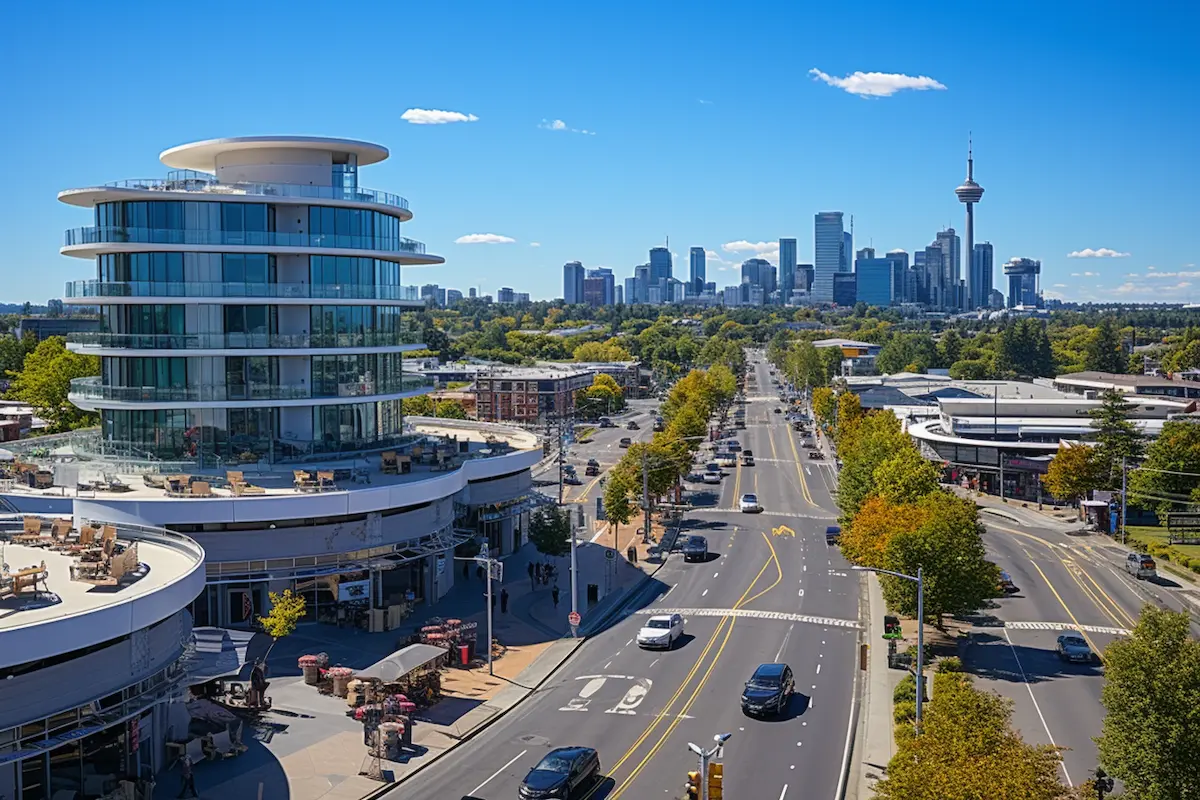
(692, 786)
(715, 774)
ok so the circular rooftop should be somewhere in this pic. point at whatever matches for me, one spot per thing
(202, 156)
(969, 192)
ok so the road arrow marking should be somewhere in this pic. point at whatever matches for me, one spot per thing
(783, 530)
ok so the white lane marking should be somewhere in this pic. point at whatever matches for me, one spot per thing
(633, 698)
(753, 614)
(609, 664)
(786, 636)
(715, 574)
(497, 772)
(704, 593)
(667, 592)
(818, 667)
(807, 471)
(629, 643)
(799, 743)
(1029, 688)
(802, 593)
(781, 794)
(652, 663)
(806, 567)
(810, 701)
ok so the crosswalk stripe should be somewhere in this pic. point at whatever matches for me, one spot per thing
(1064, 626)
(752, 614)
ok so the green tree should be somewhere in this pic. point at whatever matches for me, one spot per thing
(831, 363)
(420, 406)
(1073, 472)
(450, 409)
(824, 405)
(849, 414)
(905, 477)
(287, 609)
(1151, 697)
(948, 546)
(550, 530)
(13, 352)
(949, 349)
(620, 504)
(971, 369)
(1169, 474)
(802, 365)
(1023, 349)
(1117, 437)
(45, 379)
(610, 350)
(876, 438)
(968, 750)
(1103, 352)
(907, 349)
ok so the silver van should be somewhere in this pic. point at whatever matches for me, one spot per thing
(1140, 566)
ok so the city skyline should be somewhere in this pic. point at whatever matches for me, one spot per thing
(519, 177)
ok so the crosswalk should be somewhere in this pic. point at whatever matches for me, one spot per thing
(830, 622)
(1064, 626)
(768, 512)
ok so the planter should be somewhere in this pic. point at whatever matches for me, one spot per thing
(341, 680)
(311, 669)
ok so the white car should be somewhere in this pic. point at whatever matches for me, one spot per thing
(712, 477)
(749, 504)
(661, 630)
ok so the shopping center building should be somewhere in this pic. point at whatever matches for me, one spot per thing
(90, 664)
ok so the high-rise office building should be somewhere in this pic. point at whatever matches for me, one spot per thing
(787, 268)
(847, 250)
(433, 294)
(933, 275)
(845, 289)
(697, 269)
(593, 290)
(619, 294)
(982, 274)
(472, 293)
(873, 278)
(506, 295)
(660, 264)
(828, 244)
(573, 277)
(606, 283)
(949, 242)
(642, 273)
(969, 194)
(453, 297)
(631, 291)
(804, 277)
(899, 261)
(1024, 277)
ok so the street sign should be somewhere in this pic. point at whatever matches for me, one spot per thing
(574, 618)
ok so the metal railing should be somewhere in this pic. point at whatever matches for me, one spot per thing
(93, 389)
(313, 291)
(241, 341)
(189, 181)
(120, 234)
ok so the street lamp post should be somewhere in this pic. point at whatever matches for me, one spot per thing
(918, 579)
(706, 757)
(1104, 784)
(487, 562)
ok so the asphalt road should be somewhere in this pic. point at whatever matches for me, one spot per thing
(771, 591)
(1063, 580)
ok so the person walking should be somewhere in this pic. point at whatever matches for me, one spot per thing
(554, 595)
(531, 570)
(189, 779)
(504, 601)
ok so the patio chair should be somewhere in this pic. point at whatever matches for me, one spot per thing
(201, 489)
(388, 463)
(325, 480)
(235, 476)
(302, 481)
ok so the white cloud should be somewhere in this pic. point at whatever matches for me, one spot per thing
(705, 102)
(1074, 274)
(429, 116)
(877, 84)
(1060, 286)
(1091, 274)
(559, 125)
(743, 246)
(1151, 267)
(1130, 287)
(1103, 252)
(535, 244)
(484, 238)
(1181, 274)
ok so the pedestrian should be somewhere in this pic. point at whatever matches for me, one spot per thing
(189, 780)
(554, 595)
(531, 570)
(504, 601)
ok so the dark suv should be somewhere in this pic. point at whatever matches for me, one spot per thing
(562, 773)
(695, 548)
(768, 691)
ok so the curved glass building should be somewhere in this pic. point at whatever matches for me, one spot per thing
(251, 304)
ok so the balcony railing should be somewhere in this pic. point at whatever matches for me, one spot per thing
(120, 234)
(241, 341)
(311, 291)
(93, 389)
(203, 183)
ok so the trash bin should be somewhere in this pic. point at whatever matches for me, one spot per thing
(593, 593)
(464, 656)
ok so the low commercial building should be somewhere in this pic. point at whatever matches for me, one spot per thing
(1091, 384)
(527, 394)
(858, 358)
(625, 373)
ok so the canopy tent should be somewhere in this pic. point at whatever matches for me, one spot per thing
(401, 662)
(223, 653)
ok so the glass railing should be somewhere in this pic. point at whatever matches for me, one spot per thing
(93, 389)
(311, 291)
(204, 183)
(242, 341)
(122, 234)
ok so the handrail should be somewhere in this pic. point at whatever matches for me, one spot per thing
(241, 341)
(315, 291)
(187, 181)
(122, 234)
(92, 388)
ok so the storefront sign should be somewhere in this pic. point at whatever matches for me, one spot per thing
(351, 591)
(1026, 464)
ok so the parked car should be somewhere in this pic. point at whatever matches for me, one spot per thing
(696, 477)
(726, 459)
(768, 691)
(712, 477)
(659, 425)
(625, 442)
(712, 466)
(564, 773)
(1140, 566)
(571, 479)
(695, 548)
(661, 630)
(749, 504)
(816, 455)
(1073, 648)
(733, 445)
(605, 422)
(778, 410)
(593, 467)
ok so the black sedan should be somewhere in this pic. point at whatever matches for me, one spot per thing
(768, 691)
(562, 773)
(695, 548)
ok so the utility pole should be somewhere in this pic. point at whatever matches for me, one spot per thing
(645, 499)
(1124, 500)
(574, 584)
(491, 565)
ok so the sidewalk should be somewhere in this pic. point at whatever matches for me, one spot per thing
(876, 743)
(307, 748)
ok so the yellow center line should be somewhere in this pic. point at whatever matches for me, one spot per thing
(800, 471)
(1066, 608)
(583, 495)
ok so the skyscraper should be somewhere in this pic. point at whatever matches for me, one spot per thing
(950, 244)
(971, 193)
(899, 261)
(933, 273)
(642, 274)
(1023, 282)
(631, 292)
(982, 278)
(873, 279)
(660, 264)
(619, 294)
(601, 292)
(845, 289)
(754, 272)
(697, 269)
(787, 268)
(573, 277)
(847, 250)
(828, 244)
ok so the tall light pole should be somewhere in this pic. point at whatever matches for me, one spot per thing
(919, 580)
(491, 565)
(706, 757)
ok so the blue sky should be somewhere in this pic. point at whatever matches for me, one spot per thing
(708, 126)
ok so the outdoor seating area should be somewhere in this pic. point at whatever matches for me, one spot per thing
(99, 558)
(319, 481)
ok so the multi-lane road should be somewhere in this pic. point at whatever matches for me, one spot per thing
(772, 591)
(1063, 579)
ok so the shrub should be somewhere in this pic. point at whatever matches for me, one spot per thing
(905, 692)
(905, 711)
(950, 664)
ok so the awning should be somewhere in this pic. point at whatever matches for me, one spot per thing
(223, 653)
(401, 662)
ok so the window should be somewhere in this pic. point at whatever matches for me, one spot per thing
(250, 319)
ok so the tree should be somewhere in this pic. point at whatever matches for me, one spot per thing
(1151, 696)
(967, 750)
(905, 477)
(1073, 472)
(45, 380)
(1023, 348)
(864, 540)
(823, 404)
(619, 503)
(802, 365)
(419, 406)
(873, 440)
(949, 349)
(1117, 437)
(450, 409)
(1170, 470)
(831, 363)
(971, 369)
(550, 530)
(287, 609)
(849, 414)
(1103, 352)
(907, 349)
(948, 546)
(610, 350)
